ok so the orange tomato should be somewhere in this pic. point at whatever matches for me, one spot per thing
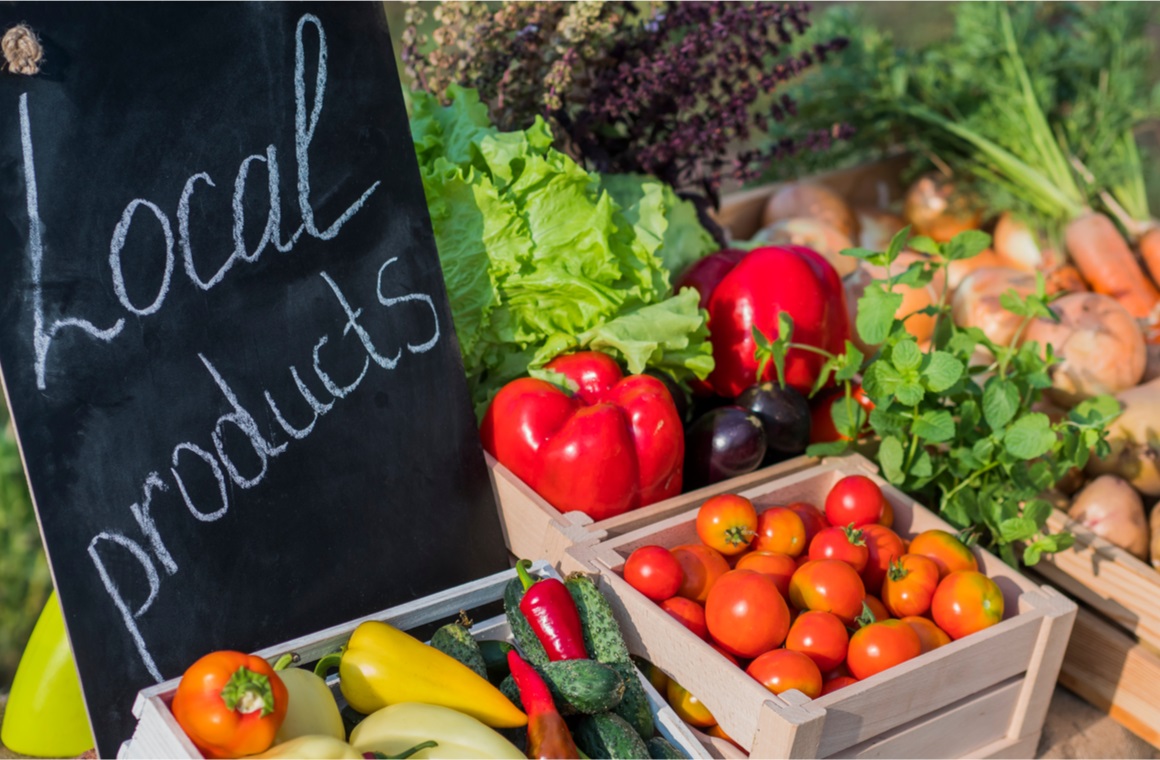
(877, 608)
(687, 707)
(688, 613)
(881, 645)
(836, 683)
(727, 523)
(945, 549)
(821, 636)
(930, 636)
(784, 669)
(746, 613)
(780, 567)
(910, 585)
(702, 567)
(828, 585)
(965, 602)
(780, 530)
(883, 546)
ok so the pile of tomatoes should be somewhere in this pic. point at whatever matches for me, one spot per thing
(811, 599)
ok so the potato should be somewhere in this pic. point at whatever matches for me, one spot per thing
(1135, 440)
(1100, 345)
(1113, 510)
(812, 233)
(802, 199)
(921, 326)
(976, 302)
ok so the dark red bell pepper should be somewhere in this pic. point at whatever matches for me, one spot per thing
(552, 614)
(704, 273)
(614, 445)
(766, 282)
(548, 734)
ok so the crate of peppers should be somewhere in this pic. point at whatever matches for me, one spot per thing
(549, 677)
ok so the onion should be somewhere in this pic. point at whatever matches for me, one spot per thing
(1111, 508)
(1019, 245)
(921, 326)
(1135, 440)
(804, 199)
(1100, 344)
(877, 227)
(935, 211)
(812, 233)
(976, 302)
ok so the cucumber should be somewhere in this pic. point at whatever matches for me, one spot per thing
(609, 735)
(526, 640)
(601, 631)
(659, 748)
(577, 686)
(455, 640)
(495, 659)
(634, 708)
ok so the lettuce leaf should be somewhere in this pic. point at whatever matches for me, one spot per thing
(542, 257)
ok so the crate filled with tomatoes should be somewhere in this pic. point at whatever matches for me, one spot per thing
(827, 614)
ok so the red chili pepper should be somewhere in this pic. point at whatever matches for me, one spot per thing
(552, 615)
(548, 735)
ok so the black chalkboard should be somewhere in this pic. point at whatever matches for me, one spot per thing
(224, 334)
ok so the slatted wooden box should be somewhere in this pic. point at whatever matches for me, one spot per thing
(983, 696)
(534, 529)
(1113, 660)
(159, 736)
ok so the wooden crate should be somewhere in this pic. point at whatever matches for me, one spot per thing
(159, 736)
(986, 695)
(534, 529)
(1113, 660)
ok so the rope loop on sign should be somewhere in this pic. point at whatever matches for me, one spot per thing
(22, 50)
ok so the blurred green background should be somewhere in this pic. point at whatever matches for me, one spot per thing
(24, 579)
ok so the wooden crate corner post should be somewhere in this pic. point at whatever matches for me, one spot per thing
(1058, 618)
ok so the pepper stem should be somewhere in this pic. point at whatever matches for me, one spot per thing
(327, 663)
(402, 755)
(247, 692)
(284, 661)
(522, 568)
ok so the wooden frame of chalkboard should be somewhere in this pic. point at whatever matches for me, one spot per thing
(158, 734)
(224, 335)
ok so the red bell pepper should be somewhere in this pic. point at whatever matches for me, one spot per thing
(766, 282)
(615, 445)
(551, 612)
(704, 273)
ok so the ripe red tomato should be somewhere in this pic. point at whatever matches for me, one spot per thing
(854, 499)
(836, 683)
(746, 613)
(883, 546)
(812, 519)
(930, 636)
(727, 523)
(822, 428)
(877, 608)
(966, 601)
(723, 653)
(687, 707)
(828, 585)
(881, 645)
(945, 549)
(777, 566)
(688, 613)
(887, 518)
(821, 636)
(702, 567)
(781, 530)
(654, 572)
(784, 669)
(845, 544)
(910, 585)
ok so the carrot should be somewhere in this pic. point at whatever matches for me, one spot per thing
(1150, 251)
(1066, 279)
(1104, 259)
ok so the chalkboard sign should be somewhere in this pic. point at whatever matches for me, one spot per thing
(224, 334)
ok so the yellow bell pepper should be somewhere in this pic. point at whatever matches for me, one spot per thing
(382, 665)
(396, 728)
(311, 709)
(324, 747)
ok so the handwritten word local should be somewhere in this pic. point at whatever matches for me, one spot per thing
(239, 417)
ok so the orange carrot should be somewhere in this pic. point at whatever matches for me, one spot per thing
(1066, 279)
(1150, 251)
(1104, 259)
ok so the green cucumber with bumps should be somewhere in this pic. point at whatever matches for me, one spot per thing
(454, 639)
(606, 644)
(660, 748)
(610, 736)
(495, 659)
(577, 686)
(526, 640)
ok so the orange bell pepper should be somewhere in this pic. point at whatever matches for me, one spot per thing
(230, 704)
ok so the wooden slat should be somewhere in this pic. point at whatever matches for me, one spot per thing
(945, 733)
(1114, 672)
(1015, 749)
(1046, 659)
(1112, 581)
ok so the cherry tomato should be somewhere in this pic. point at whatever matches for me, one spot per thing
(746, 613)
(966, 601)
(781, 530)
(702, 567)
(812, 519)
(688, 613)
(877, 608)
(887, 518)
(654, 572)
(930, 636)
(777, 566)
(828, 585)
(687, 707)
(727, 523)
(883, 546)
(945, 549)
(821, 636)
(854, 499)
(845, 544)
(822, 428)
(881, 645)
(839, 682)
(910, 585)
(784, 669)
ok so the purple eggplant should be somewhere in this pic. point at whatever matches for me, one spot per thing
(723, 443)
(785, 415)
